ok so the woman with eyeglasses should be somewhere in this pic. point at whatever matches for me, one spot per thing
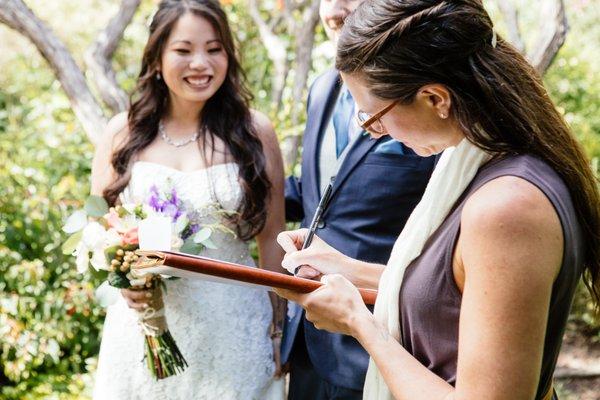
(476, 294)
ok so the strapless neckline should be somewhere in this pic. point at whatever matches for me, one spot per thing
(195, 171)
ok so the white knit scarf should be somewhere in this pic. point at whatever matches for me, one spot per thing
(455, 170)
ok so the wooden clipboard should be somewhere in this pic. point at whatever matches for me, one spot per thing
(180, 264)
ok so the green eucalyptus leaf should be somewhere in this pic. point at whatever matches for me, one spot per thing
(209, 244)
(96, 206)
(118, 280)
(202, 235)
(190, 247)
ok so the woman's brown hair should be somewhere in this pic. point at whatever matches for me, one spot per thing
(225, 115)
(498, 98)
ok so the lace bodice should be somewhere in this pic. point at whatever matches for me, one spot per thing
(222, 330)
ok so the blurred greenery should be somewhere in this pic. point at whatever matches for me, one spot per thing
(49, 324)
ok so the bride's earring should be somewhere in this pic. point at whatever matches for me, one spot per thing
(158, 76)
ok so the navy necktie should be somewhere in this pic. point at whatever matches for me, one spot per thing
(342, 115)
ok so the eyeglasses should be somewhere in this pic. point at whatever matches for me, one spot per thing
(372, 123)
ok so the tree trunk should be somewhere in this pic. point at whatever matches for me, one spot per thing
(16, 15)
(552, 37)
(305, 40)
(277, 52)
(98, 57)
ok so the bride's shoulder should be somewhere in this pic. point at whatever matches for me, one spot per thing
(115, 133)
(264, 129)
(112, 138)
(262, 124)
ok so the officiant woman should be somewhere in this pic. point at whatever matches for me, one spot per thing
(475, 297)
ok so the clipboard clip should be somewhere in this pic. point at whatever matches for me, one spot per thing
(148, 259)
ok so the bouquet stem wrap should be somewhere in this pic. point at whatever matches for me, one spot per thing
(162, 355)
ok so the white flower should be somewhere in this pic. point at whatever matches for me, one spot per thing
(93, 235)
(130, 207)
(75, 222)
(82, 260)
(129, 222)
(112, 238)
(176, 243)
(180, 224)
(135, 279)
(98, 260)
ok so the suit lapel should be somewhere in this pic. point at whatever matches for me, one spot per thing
(359, 150)
(322, 98)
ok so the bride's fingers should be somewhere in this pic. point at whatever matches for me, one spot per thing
(143, 296)
(136, 305)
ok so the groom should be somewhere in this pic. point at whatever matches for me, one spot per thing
(368, 208)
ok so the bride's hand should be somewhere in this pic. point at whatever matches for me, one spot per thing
(319, 258)
(140, 299)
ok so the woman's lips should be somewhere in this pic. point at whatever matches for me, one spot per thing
(198, 82)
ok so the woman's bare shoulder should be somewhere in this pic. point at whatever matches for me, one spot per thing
(512, 218)
(115, 133)
(265, 131)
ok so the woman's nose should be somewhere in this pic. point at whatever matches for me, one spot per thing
(198, 61)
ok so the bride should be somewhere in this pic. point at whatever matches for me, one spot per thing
(189, 125)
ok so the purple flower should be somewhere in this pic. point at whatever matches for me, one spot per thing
(190, 230)
(154, 201)
(169, 205)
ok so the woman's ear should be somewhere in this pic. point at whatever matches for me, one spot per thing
(436, 97)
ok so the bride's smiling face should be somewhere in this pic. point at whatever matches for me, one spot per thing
(194, 62)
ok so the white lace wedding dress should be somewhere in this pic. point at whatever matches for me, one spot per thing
(222, 330)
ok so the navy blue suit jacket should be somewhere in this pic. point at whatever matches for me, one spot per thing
(373, 195)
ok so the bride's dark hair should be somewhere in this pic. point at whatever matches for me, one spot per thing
(498, 99)
(225, 115)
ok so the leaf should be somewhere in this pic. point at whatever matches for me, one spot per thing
(53, 350)
(71, 243)
(209, 244)
(106, 294)
(75, 222)
(202, 235)
(118, 280)
(190, 247)
(96, 206)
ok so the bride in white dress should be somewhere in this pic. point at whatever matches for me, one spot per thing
(190, 127)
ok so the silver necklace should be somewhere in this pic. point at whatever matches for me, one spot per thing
(180, 143)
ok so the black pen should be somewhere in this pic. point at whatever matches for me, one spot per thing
(317, 217)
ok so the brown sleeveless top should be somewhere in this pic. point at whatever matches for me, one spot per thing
(430, 300)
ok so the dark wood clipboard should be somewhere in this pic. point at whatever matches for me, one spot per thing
(169, 262)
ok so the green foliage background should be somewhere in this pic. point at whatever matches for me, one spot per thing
(49, 323)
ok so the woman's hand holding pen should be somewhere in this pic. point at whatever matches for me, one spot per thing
(319, 258)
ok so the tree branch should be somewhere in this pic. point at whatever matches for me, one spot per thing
(98, 57)
(16, 15)
(276, 50)
(552, 37)
(511, 17)
(305, 40)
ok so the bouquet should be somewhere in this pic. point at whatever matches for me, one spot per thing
(106, 239)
